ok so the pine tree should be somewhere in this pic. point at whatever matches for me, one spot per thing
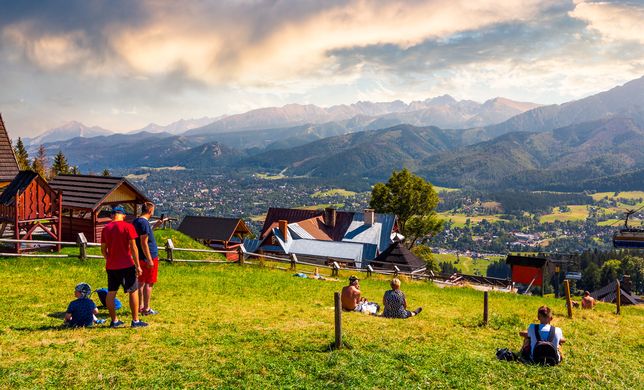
(74, 170)
(39, 164)
(60, 166)
(106, 172)
(21, 155)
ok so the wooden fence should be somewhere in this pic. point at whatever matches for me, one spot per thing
(243, 258)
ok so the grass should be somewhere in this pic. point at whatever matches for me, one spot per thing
(576, 213)
(445, 189)
(459, 219)
(333, 192)
(229, 326)
(625, 195)
(466, 265)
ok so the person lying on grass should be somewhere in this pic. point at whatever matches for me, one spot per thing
(81, 311)
(395, 302)
(353, 301)
(538, 336)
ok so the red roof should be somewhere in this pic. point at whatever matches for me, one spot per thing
(311, 220)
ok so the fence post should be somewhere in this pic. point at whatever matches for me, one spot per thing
(369, 270)
(293, 262)
(568, 303)
(485, 307)
(618, 298)
(396, 271)
(169, 246)
(338, 320)
(336, 269)
(240, 255)
(82, 246)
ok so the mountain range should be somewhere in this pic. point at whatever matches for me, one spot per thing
(592, 140)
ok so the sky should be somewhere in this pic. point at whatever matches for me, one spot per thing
(122, 64)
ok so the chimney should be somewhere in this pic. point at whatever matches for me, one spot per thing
(283, 224)
(626, 284)
(329, 217)
(369, 216)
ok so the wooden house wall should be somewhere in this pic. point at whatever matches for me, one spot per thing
(37, 202)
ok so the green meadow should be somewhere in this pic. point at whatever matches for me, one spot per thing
(232, 326)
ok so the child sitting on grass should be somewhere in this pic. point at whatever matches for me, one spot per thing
(81, 312)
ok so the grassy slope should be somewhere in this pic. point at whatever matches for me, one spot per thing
(232, 326)
(576, 213)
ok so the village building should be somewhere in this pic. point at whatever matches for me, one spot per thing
(28, 206)
(8, 164)
(216, 232)
(325, 236)
(88, 200)
(398, 256)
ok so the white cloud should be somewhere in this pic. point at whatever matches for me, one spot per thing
(615, 22)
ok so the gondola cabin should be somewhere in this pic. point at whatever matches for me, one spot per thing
(29, 206)
(88, 200)
(629, 238)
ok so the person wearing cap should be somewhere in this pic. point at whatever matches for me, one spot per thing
(118, 246)
(352, 299)
(80, 312)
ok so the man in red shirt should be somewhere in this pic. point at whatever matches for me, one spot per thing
(118, 246)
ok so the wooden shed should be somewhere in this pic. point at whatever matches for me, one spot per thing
(8, 163)
(29, 205)
(527, 269)
(216, 232)
(87, 202)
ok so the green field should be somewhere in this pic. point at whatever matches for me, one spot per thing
(625, 195)
(466, 265)
(576, 213)
(459, 219)
(334, 192)
(230, 326)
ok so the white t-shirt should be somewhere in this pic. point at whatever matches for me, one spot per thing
(544, 332)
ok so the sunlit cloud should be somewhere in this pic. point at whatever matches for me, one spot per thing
(613, 21)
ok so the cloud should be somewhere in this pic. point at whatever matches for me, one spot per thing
(614, 21)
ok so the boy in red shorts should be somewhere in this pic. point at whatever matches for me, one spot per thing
(148, 256)
(122, 265)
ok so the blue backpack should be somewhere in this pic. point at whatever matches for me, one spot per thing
(102, 294)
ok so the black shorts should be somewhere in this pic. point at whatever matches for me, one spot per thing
(125, 277)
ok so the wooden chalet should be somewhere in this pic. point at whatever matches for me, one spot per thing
(399, 256)
(8, 164)
(87, 202)
(29, 205)
(216, 232)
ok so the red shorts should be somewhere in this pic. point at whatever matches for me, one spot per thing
(149, 274)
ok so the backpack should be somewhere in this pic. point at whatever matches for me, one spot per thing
(102, 294)
(544, 352)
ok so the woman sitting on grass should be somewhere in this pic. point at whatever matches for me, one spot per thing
(396, 304)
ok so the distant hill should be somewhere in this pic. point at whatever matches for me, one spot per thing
(67, 131)
(625, 101)
(578, 152)
(370, 153)
(178, 127)
(443, 111)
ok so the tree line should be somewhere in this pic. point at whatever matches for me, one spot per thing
(40, 163)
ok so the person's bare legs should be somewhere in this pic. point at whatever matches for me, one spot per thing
(109, 302)
(147, 294)
(141, 297)
(134, 304)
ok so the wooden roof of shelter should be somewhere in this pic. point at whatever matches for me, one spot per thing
(212, 228)
(608, 294)
(398, 255)
(19, 183)
(90, 192)
(8, 164)
(526, 261)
